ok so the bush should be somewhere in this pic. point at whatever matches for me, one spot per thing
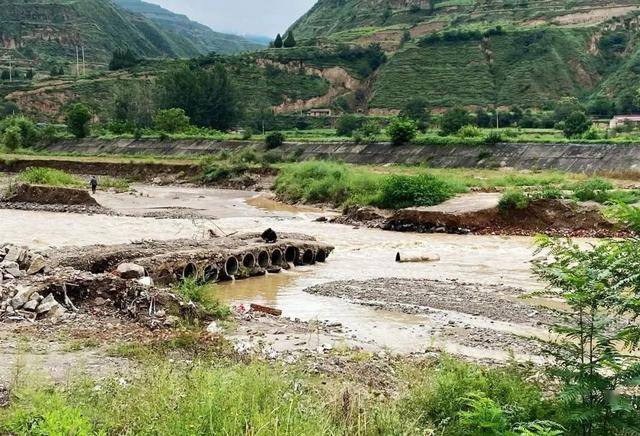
(77, 119)
(592, 190)
(50, 177)
(494, 137)
(247, 134)
(576, 124)
(24, 132)
(349, 123)
(400, 191)
(469, 131)
(402, 131)
(513, 199)
(454, 119)
(592, 134)
(12, 138)
(171, 120)
(274, 140)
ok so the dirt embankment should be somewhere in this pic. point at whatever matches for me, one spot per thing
(552, 217)
(137, 171)
(39, 194)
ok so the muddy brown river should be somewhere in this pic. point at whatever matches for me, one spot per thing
(360, 254)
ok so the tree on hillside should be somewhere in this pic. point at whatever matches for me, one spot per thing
(133, 107)
(402, 131)
(207, 96)
(5, 75)
(278, 42)
(77, 119)
(454, 120)
(122, 59)
(565, 107)
(416, 109)
(29, 75)
(290, 41)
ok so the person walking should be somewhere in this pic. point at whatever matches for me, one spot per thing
(94, 184)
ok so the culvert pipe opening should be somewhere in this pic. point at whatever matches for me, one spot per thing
(231, 266)
(291, 254)
(308, 257)
(249, 260)
(321, 256)
(263, 259)
(190, 271)
(210, 274)
(276, 257)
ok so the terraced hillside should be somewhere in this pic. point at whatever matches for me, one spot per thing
(205, 39)
(48, 31)
(486, 52)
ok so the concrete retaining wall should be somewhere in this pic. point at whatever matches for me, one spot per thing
(567, 157)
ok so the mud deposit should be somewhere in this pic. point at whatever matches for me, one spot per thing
(37, 194)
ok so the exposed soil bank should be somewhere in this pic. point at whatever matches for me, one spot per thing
(139, 171)
(551, 217)
(39, 194)
(578, 158)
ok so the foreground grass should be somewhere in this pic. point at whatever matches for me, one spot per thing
(222, 397)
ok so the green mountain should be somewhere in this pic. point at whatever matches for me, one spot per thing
(486, 52)
(44, 32)
(203, 38)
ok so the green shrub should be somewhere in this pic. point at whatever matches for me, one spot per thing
(513, 199)
(625, 214)
(469, 131)
(24, 132)
(595, 189)
(402, 131)
(171, 120)
(192, 290)
(400, 191)
(549, 193)
(454, 119)
(349, 123)
(12, 138)
(592, 134)
(50, 177)
(576, 124)
(493, 137)
(247, 134)
(274, 140)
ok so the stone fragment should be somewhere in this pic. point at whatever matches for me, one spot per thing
(130, 271)
(47, 304)
(213, 328)
(37, 265)
(16, 254)
(30, 305)
(22, 297)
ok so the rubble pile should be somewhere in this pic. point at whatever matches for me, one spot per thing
(133, 280)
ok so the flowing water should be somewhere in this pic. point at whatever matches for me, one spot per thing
(360, 254)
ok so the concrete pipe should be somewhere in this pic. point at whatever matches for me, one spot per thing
(291, 254)
(308, 257)
(249, 260)
(210, 274)
(164, 277)
(321, 256)
(190, 271)
(231, 266)
(263, 259)
(416, 257)
(276, 257)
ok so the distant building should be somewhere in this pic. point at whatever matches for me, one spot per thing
(320, 113)
(620, 120)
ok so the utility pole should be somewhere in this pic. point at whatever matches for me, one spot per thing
(10, 69)
(77, 62)
(84, 68)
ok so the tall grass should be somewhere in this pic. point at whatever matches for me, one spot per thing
(341, 185)
(50, 177)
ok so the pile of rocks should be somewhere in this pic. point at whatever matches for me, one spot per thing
(18, 262)
(24, 302)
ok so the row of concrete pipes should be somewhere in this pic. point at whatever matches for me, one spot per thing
(233, 265)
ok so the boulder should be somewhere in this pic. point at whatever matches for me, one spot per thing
(21, 297)
(16, 254)
(31, 305)
(49, 303)
(130, 271)
(37, 265)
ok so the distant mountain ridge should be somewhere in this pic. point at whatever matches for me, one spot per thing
(47, 32)
(202, 37)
